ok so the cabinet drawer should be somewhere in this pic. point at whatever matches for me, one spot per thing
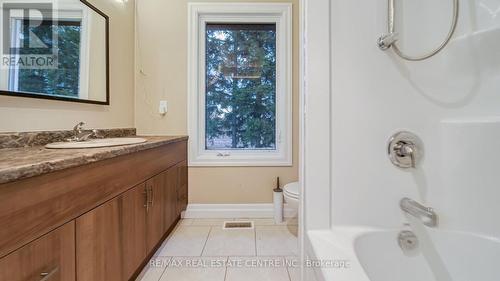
(48, 258)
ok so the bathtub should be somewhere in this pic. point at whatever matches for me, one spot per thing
(374, 255)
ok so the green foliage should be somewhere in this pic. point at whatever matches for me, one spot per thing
(241, 87)
(64, 80)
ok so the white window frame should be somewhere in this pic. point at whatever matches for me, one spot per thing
(199, 15)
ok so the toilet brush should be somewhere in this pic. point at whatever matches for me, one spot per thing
(278, 202)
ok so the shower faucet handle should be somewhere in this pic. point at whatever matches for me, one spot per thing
(405, 149)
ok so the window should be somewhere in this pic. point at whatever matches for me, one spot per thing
(240, 87)
(240, 93)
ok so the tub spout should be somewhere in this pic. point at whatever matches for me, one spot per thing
(425, 214)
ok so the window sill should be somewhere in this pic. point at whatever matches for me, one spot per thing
(211, 160)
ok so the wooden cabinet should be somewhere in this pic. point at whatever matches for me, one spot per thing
(134, 229)
(114, 239)
(170, 197)
(111, 239)
(99, 243)
(182, 187)
(155, 225)
(48, 258)
(113, 214)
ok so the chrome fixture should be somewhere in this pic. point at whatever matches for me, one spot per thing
(426, 215)
(405, 149)
(390, 39)
(81, 135)
(384, 42)
(407, 241)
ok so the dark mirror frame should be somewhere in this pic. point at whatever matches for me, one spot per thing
(107, 102)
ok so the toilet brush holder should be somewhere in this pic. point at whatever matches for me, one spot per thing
(278, 204)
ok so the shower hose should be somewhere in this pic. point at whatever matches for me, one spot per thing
(390, 40)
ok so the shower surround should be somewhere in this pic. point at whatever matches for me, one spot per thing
(361, 96)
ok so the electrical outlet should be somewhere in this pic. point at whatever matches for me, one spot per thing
(163, 107)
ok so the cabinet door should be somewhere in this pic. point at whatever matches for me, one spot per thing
(155, 215)
(134, 229)
(111, 238)
(170, 196)
(182, 187)
(49, 258)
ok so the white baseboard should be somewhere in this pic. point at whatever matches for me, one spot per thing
(213, 211)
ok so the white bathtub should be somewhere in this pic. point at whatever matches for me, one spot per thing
(374, 255)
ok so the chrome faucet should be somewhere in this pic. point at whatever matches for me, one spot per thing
(81, 135)
(426, 215)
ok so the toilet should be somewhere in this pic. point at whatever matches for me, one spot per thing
(291, 194)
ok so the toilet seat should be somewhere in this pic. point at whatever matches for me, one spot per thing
(291, 196)
(291, 190)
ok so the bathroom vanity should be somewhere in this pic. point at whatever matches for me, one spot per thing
(88, 214)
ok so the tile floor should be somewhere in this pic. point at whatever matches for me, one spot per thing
(201, 250)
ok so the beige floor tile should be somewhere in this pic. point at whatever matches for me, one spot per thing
(268, 221)
(195, 269)
(257, 268)
(292, 221)
(276, 241)
(230, 242)
(185, 241)
(154, 270)
(294, 273)
(310, 274)
(293, 266)
(185, 222)
(210, 222)
(263, 221)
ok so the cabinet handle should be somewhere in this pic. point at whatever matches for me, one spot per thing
(47, 275)
(146, 204)
(151, 196)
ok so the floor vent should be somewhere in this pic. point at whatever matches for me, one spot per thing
(238, 225)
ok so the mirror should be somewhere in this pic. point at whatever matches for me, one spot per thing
(54, 50)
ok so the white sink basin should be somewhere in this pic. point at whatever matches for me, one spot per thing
(93, 143)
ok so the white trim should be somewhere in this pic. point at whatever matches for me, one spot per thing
(216, 211)
(318, 132)
(302, 137)
(198, 15)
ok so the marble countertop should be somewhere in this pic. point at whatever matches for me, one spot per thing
(21, 163)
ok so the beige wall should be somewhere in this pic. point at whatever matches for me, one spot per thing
(161, 54)
(27, 114)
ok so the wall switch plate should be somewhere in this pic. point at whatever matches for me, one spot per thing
(163, 108)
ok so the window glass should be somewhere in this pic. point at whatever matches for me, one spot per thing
(240, 87)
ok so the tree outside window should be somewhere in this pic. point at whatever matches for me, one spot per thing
(240, 101)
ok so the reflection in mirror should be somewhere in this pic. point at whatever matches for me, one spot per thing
(55, 50)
